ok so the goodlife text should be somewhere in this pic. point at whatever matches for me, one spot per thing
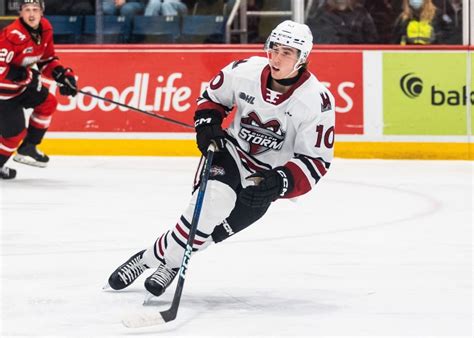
(161, 94)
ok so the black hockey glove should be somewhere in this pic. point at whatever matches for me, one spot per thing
(35, 82)
(209, 129)
(65, 77)
(25, 76)
(270, 185)
(18, 74)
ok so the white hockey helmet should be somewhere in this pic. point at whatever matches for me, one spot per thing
(292, 34)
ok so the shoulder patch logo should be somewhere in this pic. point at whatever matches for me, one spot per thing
(325, 102)
(236, 63)
(20, 34)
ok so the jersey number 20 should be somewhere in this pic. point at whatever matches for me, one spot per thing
(5, 55)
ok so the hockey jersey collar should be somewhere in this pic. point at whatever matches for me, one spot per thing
(275, 98)
(35, 34)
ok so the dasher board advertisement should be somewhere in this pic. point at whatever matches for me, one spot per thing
(168, 82)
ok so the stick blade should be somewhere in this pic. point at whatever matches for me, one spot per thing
(148, 319)
(169, 314)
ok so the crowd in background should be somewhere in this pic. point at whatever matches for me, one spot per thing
(386, 21)
(331, 21)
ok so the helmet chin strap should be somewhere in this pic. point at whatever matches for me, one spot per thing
(295, 69)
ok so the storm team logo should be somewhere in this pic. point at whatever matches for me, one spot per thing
(261, 136)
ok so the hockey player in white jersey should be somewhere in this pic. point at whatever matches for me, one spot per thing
(279, 145)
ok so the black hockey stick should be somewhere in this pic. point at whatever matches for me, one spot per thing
(170, 314)
(158, 116)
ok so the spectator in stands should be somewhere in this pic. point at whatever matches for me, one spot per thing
(342, 22)
(267, 23)
(123, 7)
(70, 7)
(451, 11)
(209, 7)
(253, 22)
(420, 23)
(384, 14)
(165, 7)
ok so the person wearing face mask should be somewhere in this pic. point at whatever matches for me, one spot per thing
(420, 23)
(342, 22)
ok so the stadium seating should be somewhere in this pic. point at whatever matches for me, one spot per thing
(155, 29)
(67, 29)
(139, 29)
(116, 29)
(203, 29)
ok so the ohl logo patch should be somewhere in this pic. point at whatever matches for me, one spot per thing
(261, 136)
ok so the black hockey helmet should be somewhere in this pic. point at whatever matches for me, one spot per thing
(31, 2)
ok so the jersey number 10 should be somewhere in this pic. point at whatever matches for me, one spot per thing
(328, 136)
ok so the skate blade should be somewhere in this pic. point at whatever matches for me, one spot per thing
(29, 161)
(106, 287)
(150, 300)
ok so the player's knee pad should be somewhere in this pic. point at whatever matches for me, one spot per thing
(219, 200)
(240, 218)
(41, 116)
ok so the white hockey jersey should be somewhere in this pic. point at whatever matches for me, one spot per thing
(271, 129)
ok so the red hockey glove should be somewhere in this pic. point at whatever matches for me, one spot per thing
(209, 129)
(270, 185)
(65, 77)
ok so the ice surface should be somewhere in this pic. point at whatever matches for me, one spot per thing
(380, 248)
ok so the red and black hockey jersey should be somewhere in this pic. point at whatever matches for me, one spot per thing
(19, 49)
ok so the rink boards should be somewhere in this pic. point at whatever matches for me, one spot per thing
(389, 103)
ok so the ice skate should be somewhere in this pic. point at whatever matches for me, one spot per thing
(157, 283)
(30, 155)
(7, 173)
(126, 273)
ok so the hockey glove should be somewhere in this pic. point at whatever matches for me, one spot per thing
(65, 77)
(35, 82)
(270, 185)
(209, 129)
(25, 76)
(19, 74)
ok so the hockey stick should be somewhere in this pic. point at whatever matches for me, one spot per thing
(158, 116)
(171, 313)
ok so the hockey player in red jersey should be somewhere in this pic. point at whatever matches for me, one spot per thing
(282, 137)
(27, 53)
